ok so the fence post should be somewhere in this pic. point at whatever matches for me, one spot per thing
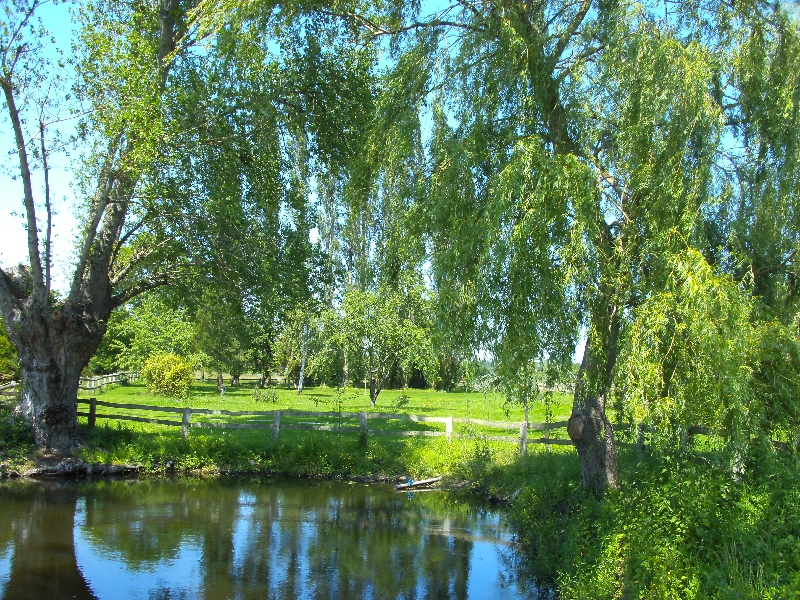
(362, 422)
(92, 412)
(276, 424)
(448, 428)
(523, 438)
(187, 419)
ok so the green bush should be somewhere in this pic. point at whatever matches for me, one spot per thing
(168, 375)
(16, 438)
(679, 526)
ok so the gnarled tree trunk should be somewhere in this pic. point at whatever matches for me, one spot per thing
(55, 343)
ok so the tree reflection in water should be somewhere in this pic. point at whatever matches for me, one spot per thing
(247, 539)
(36, 523)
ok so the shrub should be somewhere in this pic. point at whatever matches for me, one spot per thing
(401, 401)
(267, 395)
(16, 436)
(168, 375)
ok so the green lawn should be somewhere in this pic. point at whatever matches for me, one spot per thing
(158, 448)
(420, 402)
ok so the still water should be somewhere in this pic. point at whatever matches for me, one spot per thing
(238, 539)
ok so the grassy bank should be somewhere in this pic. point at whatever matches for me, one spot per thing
(679, 526)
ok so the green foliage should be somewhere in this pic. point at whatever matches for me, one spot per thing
(16, 438)
(296, 336)
(221, 333)
(168, 375)
(680, 528)
(695, 355)
(153, 328)
(266, 395)
(116, 343)
(9, 360)
(380, 331)
(774, 360)
(686, 358)
(401, 402)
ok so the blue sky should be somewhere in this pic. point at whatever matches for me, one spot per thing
(13, 241)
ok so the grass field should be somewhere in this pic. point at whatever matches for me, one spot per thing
(492, 406)
(158, 448)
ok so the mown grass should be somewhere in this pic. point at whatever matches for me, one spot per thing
(490, 406)
(159, 448)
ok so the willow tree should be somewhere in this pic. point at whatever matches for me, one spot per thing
(160, 110)
(577, 148)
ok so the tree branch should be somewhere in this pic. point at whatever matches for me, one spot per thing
(30, 209)
(566, 36)
(10, 286)
(49, 209)
(376, 30)
(136, 260)
(102, 196)
(780, 267)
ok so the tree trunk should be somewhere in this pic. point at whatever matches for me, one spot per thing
(54, 346)
(220, 382)
(303, 356)
(589, 428)
(345, 369)
(373, 390)
(48, 399)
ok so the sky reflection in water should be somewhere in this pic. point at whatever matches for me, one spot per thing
(248, 539)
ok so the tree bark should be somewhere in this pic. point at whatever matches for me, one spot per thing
(589, 428)
(373, 390)
(55, 344)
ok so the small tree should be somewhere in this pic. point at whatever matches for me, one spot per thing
(154, 328)
(382, 330)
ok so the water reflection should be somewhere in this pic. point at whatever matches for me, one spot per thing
(246, 539)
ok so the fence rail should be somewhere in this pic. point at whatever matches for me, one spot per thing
(276, 420)
(90, 384)
(9, 389)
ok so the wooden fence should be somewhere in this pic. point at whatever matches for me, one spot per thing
(96, 383)
(88, 384)
(277, 420)
(9, 389)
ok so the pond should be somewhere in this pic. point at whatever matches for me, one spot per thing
(242, 538)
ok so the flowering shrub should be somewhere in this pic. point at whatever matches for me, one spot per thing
(168, 375)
